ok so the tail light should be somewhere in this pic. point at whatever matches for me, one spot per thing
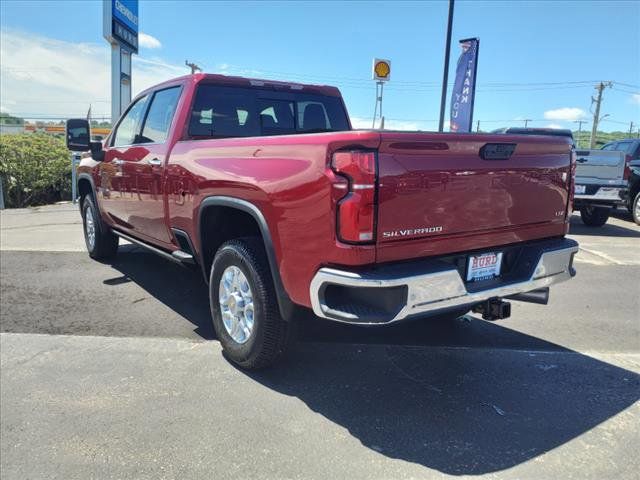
(571, 184)
(627, 169)
(356, 205)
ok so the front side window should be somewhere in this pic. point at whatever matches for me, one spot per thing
(129, 126)
(220, 112)
(158, 121)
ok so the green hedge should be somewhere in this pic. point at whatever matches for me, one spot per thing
(35, 169)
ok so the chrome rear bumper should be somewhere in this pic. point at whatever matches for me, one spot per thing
(386, 295)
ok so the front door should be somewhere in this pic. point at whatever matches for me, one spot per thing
(116, 189)
(147, 207)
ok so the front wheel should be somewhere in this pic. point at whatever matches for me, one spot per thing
(594, 216)
(245, 313)
(635, 210)
(101, 242)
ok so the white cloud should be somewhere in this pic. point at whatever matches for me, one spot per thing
(148, 41)
(635, 98)
(43, 76)
(553, 125)
(566, 113)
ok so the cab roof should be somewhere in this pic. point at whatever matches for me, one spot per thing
(228, 80)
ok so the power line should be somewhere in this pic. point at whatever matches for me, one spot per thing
(625, 91)
(245, 71)
(627, 85)
(613, 121)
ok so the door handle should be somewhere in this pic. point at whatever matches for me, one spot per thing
(154, 161)
(581, 160)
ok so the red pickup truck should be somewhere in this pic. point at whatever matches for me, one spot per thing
(266, 188)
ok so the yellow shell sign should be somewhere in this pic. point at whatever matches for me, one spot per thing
(381, 69)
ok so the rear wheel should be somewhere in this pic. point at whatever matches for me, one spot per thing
(245, 313)
(101, 243)
(635, 210)
(594, 216)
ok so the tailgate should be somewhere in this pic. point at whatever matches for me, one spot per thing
(439, 186)
(599, 167)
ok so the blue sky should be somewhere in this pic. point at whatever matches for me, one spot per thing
(538, 60)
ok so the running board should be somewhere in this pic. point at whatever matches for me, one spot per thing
(182, 256)
(177, 256)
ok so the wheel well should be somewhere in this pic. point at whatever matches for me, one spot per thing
(633, 191)
(220, 224)
(84, 188)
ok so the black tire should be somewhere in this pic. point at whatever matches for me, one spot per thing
(271, 335)
(635, 209)
(594, 216)
(105, 245)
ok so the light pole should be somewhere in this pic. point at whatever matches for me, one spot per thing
(445, 74)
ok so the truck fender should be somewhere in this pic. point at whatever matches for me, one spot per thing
(86, 176)
(287, 307)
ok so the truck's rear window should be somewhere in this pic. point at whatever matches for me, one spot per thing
(220, 112)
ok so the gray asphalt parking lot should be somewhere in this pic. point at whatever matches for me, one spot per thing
(110, 371)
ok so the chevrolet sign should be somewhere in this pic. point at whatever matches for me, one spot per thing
(121, 23)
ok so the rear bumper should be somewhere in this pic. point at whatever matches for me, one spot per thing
(604, 195)
(391, 293)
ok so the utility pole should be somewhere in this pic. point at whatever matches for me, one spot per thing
(596, 115)
(579, 122)
(526, 122)
(445, 74)
(631, 128)
(194, 67)
(477, 126)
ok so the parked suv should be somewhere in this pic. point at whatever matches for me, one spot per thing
(284, 208)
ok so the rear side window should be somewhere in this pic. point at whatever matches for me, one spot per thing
(220, 112)
(312, 116)
(609, 146)
(158, 121)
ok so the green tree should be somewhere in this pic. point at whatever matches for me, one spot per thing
(582, 138)
(35, 169)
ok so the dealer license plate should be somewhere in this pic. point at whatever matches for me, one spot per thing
(484, 266)
(580, 189)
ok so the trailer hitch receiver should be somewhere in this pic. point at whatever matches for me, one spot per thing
(493, 309)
